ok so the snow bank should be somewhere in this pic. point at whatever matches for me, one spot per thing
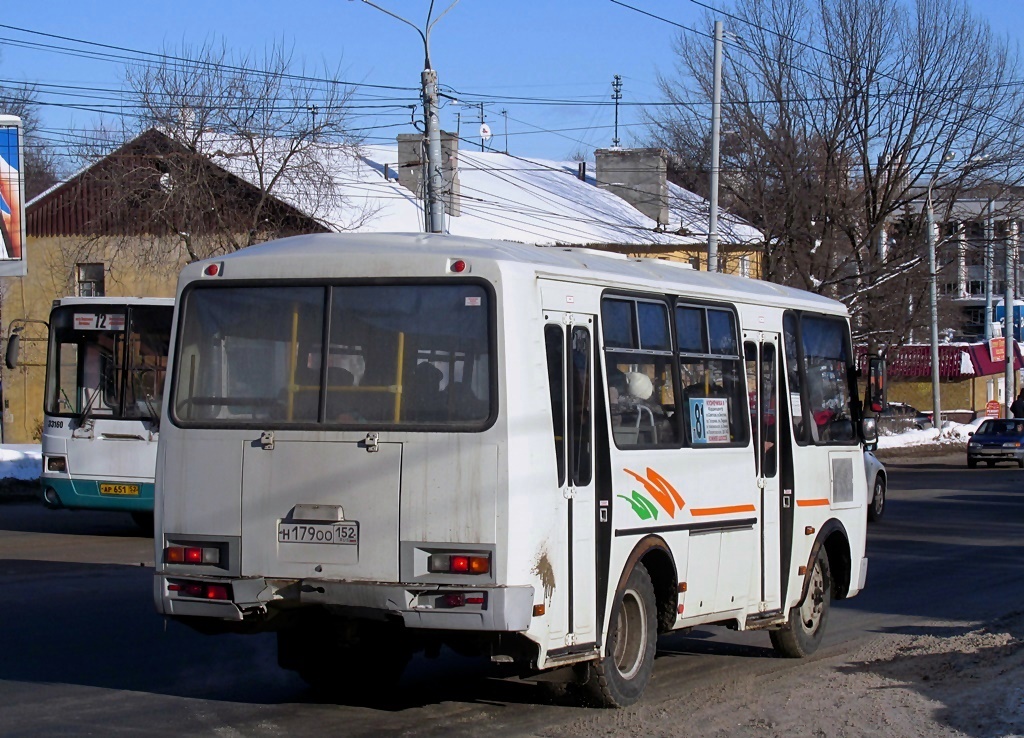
(953, 435)
(22, 461)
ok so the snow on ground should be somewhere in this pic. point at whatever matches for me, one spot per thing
(954, 435)
(21, 461)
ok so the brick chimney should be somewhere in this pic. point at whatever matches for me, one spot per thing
(638, 176)
(411, 154)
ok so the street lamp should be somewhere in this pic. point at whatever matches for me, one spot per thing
(933, 289)
(432, 128)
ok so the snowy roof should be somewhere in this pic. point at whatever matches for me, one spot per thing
(503, 197)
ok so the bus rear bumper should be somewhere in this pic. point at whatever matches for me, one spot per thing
(480, 608)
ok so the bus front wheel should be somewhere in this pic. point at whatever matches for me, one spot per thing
(619, 677)
(802, 635)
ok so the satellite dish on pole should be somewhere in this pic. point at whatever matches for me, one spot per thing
(485, 132)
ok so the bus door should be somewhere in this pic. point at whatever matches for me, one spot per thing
(569, 340)
(761, 351)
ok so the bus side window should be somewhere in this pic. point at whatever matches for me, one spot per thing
(715, 404)
(580, 380)
(796, 403)
(641, 377)
(750, 359)
(554, 344)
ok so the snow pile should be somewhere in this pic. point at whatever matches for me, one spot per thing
(953, 435)
(22, 461)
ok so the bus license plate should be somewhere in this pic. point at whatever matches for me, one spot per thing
(345, 534)
(121, 490)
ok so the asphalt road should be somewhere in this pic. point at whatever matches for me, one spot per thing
(82, 651)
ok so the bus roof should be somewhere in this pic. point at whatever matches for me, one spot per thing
(404, 254)
(113, 300)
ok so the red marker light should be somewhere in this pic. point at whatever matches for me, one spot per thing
(458, 266)
(217, 592)
(193, 555)
(212, 270)
(454, 600)
(460, 563)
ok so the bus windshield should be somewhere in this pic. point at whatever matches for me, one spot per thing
(398, 355)
(107, 360)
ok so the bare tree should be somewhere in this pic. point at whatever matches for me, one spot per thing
(837, 115)
(42, 165)
(225, 152)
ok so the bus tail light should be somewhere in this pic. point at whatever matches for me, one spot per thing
(458, 564)
(461, 599)
(191, 555)
(200, 591)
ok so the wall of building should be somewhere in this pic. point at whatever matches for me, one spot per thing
(51, 275)
(970, 394)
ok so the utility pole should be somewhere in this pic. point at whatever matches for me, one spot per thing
(504, 113)
(431, 125)
(933, 296)
(989, 263)
(481, 107)
(716, 125)
(616, 96)
(1008, 319)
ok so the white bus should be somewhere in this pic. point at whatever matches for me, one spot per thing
(105, 368)
(546, 455)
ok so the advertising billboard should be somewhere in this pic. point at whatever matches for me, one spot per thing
(12, 197)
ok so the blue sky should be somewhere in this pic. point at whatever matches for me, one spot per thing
(565, 49)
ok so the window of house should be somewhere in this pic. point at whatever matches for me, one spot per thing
(89, 280)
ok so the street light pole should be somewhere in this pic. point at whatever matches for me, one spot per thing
(432, 128)
(716, 123)
(933, 296)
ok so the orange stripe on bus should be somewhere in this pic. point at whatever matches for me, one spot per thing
(812, 503)
(722, 510)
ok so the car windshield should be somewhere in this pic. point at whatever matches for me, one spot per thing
(1001, 428)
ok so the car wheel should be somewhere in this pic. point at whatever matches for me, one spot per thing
(802, 635)
(877, 506)
(618, 678)
(972, 463)
(990, 464)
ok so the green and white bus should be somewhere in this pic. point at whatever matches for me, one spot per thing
(105, 368)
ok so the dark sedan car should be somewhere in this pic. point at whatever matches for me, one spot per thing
(997, 440)
(898, 417)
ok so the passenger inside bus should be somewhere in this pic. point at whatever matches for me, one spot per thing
(637, 417)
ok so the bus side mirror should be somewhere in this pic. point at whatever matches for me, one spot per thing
(13, 347)
(869, 430)
(876, 384)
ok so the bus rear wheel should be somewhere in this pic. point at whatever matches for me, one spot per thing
(619, 677)
(802, 635)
